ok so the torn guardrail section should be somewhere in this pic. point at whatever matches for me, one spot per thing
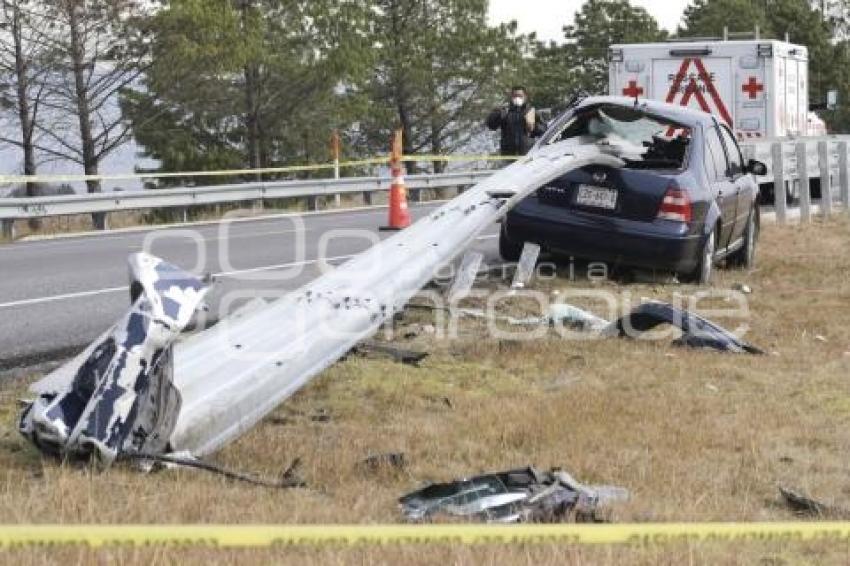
(122, 395)
(232, 375)
(267, 355)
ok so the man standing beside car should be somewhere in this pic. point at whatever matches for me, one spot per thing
(519, 123)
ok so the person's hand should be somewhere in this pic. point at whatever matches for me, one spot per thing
(531, 120)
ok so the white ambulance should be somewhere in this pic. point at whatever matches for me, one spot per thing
(759, 87)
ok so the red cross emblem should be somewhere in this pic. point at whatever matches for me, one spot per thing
(753, 88)
(633, 90)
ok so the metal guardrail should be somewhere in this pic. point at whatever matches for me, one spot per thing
(12, 209)
(793, 164)
(822, 157)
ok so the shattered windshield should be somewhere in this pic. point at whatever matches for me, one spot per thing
(642, 140)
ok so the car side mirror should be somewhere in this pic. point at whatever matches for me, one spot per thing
(757, 168)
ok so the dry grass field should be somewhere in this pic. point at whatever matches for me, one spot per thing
(695, 435)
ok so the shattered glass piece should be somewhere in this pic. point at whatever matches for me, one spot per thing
(562, 314)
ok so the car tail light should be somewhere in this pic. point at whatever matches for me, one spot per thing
(676, 205)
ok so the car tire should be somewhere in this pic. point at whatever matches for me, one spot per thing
(701, 275)
(510, 250)
(746, 256)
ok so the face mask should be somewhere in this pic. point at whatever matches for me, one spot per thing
(518, 101)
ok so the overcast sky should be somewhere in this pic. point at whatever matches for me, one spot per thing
(547, 17)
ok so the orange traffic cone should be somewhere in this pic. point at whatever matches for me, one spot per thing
(399, 212)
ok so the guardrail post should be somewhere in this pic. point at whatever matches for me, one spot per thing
(7, 229)
(825, 180)
(844, 176)
(335, 152)
(805, 188)
(100, 220)
(312, 203)
(779, 191)
(367, 198)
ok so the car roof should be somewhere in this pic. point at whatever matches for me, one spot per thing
(680, 114)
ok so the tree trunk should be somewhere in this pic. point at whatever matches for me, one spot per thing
(90, 158)
(252, 119)
(407, 135)
(437, 149)
(397, 13)
(27, 125)
(436, 144)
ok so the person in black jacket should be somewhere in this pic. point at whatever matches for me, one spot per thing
(519, 122)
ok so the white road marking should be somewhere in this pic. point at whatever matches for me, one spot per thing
(52, 298)
(82, 294)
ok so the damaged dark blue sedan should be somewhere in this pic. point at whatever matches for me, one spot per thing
(684, 201)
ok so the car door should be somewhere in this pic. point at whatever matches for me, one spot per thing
(744, 185)
(724, 190)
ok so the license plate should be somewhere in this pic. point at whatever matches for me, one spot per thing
(598, 197)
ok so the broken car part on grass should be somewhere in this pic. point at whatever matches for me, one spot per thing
(697, 332)
(517, 496)
(226, 379)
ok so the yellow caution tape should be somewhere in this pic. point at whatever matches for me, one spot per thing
(19, 536)
(221, 173)
(63, 178)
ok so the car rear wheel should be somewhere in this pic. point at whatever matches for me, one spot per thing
(510, 250)
(746, 256)
(701, 275)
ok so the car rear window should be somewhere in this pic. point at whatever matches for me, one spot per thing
(644, 141)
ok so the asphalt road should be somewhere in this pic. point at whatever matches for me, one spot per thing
(58, 295)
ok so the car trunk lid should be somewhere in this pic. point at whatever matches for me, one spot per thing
(635, 194)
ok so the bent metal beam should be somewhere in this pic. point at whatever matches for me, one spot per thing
(234, 374)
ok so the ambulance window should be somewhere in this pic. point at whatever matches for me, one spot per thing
(715, 157)
(736, 162)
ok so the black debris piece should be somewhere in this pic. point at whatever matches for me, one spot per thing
(805, 505)
(697, 332)
(400, 355)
